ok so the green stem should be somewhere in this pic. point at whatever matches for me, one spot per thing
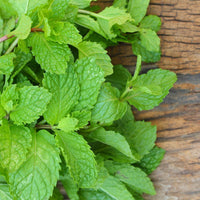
(12, 46)
(43, 126)
(91, 13)
(128, 89)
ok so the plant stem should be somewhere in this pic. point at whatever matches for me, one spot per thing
(43, 126)
(36, 30)
(128, 89)
(12, 46)
(5, 37)
(91, 13)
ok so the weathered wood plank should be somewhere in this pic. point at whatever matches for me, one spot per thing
(178, 118)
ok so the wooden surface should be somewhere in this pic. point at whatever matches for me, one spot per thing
(178, 118)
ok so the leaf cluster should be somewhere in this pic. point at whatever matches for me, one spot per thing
(65, 110)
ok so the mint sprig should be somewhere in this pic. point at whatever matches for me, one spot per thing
(65, 110)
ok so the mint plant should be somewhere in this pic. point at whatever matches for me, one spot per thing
(65, 110)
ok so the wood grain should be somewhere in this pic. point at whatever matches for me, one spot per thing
(178, 118)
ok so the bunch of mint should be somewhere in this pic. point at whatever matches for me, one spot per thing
(65, 110)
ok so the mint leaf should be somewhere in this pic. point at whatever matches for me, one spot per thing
(22, 58)
(81, 3)
(70, 186)
(108, 107)
(58, 9)
(138, 9)
(65, 94)
(9, 98)
(32, 104)
(111, 16)
(147, 56)
(115, 189)
(79, 158)
(119, 78)
(6, 9)
(92, 49)
(41, 169)
(52, 57)
(14, 144)
(4, 192)
(65, 33)
(150, 40)
(56, 195)
(151, 160)
(89, 23)
(90, 78)
(132, 176)
(23, 29)
(27, 6)
(2, 112)
(6, 63)
(120, 3)
(135, 134)
(152, 22)
(129, 27)
(94, 195)
(83, 117)
(150, 89)
(68, 124)
(113, 139)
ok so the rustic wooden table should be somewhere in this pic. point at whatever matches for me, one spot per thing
(178, 118)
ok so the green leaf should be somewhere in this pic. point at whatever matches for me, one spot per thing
(83, 117)
(70, 186)
(79, 158)
(32, 104)
(6, 63)
(120, 3)
(65, 33)
(115, 189)
(9, 98)
(119, 78)
(81, 3)
(71, 13)
(108, 107)
(141, 137)
(113, 139)
(22, 58)
(23, 29)
(89, 23)
(14, 144)
(150, 40)
(94, 195)
(27, 6)
(2, 112)
(58, 9)
(68, 124)
(52, 57)
(65, 94)
(150, 89)
(111, 16)
(138, 9)
(4, 192)
(147, 56)
(152, 22)
(87, 49)
(129, 27)
(38, 175)
(90, 78)
(56, 195)
(132, 176)
(6, 10)
(151, 160)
